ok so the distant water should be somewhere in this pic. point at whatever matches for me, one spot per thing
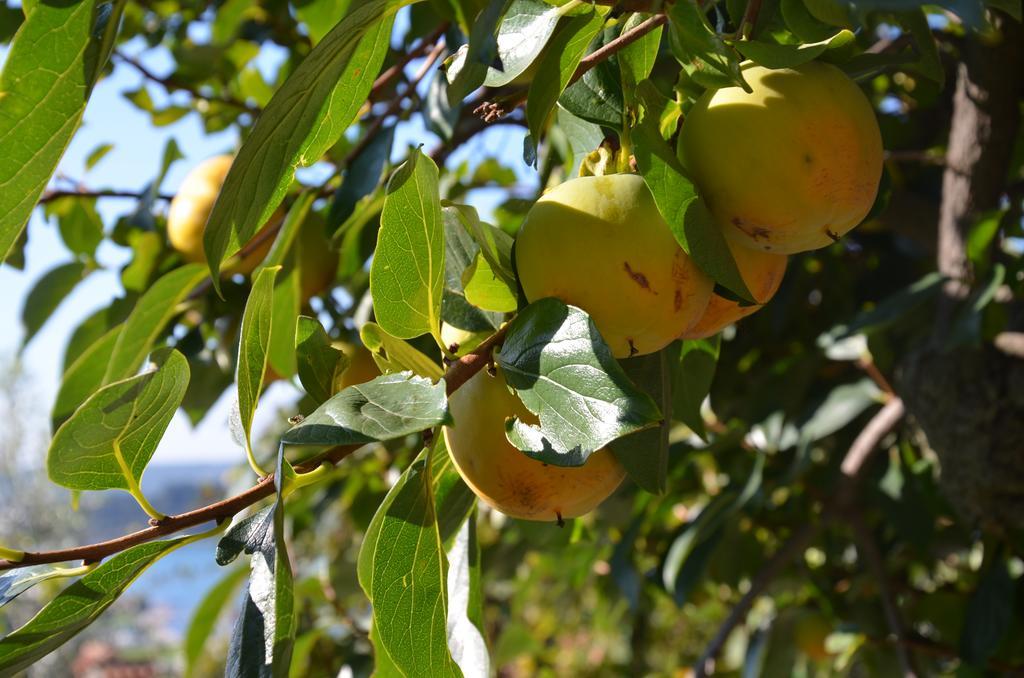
(175, 584)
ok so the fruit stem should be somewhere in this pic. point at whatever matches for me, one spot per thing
(749, 18)
(303, 479)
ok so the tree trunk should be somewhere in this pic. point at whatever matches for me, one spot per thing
(969, 401)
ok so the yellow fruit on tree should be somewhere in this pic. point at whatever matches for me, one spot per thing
(361, 367)
(761, 271)
(791, 166)
(504, 477)
(600, 243)
(191, 207)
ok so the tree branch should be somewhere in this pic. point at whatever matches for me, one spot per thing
(56, 194)
(851, 469)
(171, 84)
(457, 374)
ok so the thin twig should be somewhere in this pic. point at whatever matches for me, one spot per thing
(873, 559)
(171, 83)
(56, 194)
(868, 366)
(746, 26)
(852, 468)
(457, 374)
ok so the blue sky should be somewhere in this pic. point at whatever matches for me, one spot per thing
(134, 160)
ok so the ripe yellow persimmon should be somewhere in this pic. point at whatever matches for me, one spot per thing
(793, 165)
(504, 477)
(361, 367)
(191, 207)
(600, 243)
(761, 271)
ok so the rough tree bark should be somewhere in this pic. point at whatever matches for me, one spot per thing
(969, 401)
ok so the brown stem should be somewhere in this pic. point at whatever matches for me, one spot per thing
(171, 83)
(852, 468)
(746, 27)
(56, 194)
(457, 374)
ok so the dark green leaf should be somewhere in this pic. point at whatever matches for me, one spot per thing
(55, 59)
(644, 454)
(44, 297)
(637, 60)
(319, 363)
(597, 97)
(700, 50)
(205, 617)
(691, 380)
(989, 613)
(361, 178)
(775, 55)
(469, 72)
(461, 251)
(555, 359)
(390, 406)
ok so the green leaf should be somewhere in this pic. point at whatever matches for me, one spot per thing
(565, 374)
(557, 66)
(56, 57)
(644, 454)
(966, 326)
(929, 63)
(469, 72)
(79, 605)
(109, 440)
(700, 50)
(486, 289)
(320, 16)
(495, 245)
(44, 297)
(253, 346)
(148, 319)
(583, 137)
(15, 582)
(637, 60)
(361, 179)
(286, 303)
(388, 407)
(453, 500)
(394, 355)
(306, 116)
(679, 203)
(97, 154)
(802, 23)
(990, 613)
(886, 312)
(206, 614)
(691, 380)
(843, 404)
(689, 553)
(83, 377)
(11, 19)
(319, 363)
(80, 225)
(776, 55)
(403, 570)
(597, 97)
(407, 273)
(460, 250)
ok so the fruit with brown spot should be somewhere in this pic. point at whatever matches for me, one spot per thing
(504, 477)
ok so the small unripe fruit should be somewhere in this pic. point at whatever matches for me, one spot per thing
(791, 166)
(504, 477)
(600, 243)
(761, 271)
(190, 209)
